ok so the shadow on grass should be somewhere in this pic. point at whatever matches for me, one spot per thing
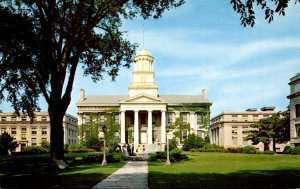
(241, 179)
(33, 172)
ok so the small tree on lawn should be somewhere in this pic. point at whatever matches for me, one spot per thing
(192, 142)
(7, 143)
(272, 129)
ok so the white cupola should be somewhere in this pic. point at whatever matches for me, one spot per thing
(143, 75)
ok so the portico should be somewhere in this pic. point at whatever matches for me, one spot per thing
(143, 120)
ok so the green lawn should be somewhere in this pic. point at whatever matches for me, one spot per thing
(32, 172)
(225, 170)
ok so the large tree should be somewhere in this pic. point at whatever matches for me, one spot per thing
(42, 43)
(247, 8)
(272, 129)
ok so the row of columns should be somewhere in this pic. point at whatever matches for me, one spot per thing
(136, 127)
(215, 136)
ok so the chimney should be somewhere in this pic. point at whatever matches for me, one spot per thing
(204, 93)
(251, 110)
(267, 108)
(82, 95)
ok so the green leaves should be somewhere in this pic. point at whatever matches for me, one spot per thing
(274, 128)
(246, 9)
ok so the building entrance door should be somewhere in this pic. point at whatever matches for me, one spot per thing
(143, 137)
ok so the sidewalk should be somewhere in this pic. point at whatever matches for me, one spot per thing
(133, 175)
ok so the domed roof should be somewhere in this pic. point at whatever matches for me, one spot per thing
(143, 52)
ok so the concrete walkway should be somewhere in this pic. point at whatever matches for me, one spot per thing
(133, 175)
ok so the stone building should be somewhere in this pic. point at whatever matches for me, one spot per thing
(230, 129)
(295, 110)
(28, 133)
(144, 115)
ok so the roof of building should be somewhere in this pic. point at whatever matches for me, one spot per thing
(115, 99)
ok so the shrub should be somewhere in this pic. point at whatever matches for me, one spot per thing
(269, 152)
(94, 158)
(192, 142)
(249, 150)
(291, 150)
(235, 150)
(172, 144)
(152, 157)
(45, 144)
(287, 150)
(93, 142)
(7, 143)
(177, 155)
(296, 150)
(35, 150)
(78, 148)
(113, 157)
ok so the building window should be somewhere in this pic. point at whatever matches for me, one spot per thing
(234, 130)
(117, 118)
(13, 118)
(184, 117)
(24, 118)
(33, 142)
(33, 131)
(3, 118)
(199, 119)
(87, 134)
(297, 110)
(102, 118)
(44, 118)
(170, 115)
(200, 134)
(255, 117)
(44, 131)
(297, 87)
(3, 130)
(184, 134)
(23, 133)
(297, 130)
(13, 131)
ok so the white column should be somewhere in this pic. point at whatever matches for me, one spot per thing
(149, 127)
(123, 131)
(136, 127)
(163, 127)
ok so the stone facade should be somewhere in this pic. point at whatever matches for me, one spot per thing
(229, 129)
(295, 110)
(143, 115)
(28, 133)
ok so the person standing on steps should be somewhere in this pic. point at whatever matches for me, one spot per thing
(128, 149)
(138, 151)
(132, 149)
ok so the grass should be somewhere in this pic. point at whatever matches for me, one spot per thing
(225, 170)
(31, 171)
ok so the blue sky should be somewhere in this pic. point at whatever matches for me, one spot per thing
(202, 45)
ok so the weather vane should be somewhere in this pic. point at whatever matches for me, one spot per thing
(143, 32)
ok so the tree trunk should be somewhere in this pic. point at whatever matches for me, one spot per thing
(56, 134)
(274, 145)
(266, 146)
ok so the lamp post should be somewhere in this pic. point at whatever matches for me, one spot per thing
(104, 151)
(168, 158)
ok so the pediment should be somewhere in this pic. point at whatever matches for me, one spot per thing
(142, 98)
